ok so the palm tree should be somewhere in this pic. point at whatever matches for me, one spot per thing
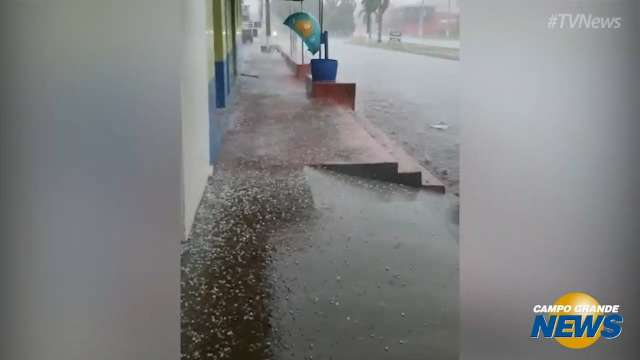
(368, 8)
(381, 9)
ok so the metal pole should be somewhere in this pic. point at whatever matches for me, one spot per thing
(421, 23)
(326, 45)
(321, 15)
(291, 39)
(268, 19)
(449, 21)
(302, 41)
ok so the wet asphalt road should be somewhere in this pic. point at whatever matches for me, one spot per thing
(404, 94)
(312, 264)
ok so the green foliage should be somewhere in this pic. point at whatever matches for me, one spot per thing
(368, 8)
(383, 7)
(371, 7)
(338, 16)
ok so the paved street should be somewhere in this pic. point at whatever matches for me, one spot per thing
(403, 94)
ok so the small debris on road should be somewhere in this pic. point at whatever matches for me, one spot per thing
(440, 126)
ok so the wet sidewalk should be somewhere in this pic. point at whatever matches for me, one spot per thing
(290, 262)
(275, 125)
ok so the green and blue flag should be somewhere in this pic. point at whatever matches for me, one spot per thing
(307, 27)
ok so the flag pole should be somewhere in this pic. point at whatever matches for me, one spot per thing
(321, 15)
(302, 41)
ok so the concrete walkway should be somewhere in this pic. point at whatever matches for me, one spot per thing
(276, 125)
(289, 262)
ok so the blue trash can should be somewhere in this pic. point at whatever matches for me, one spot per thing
(324, 69)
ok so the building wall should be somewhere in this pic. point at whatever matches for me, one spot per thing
(225, 28)
(195, 106)
(226, 23)
(104, 152)
(91, 167)
(549, 191)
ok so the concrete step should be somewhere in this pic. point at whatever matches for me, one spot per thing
(410, 172)
(276, 126)
(413, 179)
(387, 171)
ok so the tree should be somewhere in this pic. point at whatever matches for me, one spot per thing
(369, 7)
(381, 9)
(339, 16)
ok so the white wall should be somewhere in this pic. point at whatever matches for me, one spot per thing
(91, 168)
(195, 107)
(549, 172)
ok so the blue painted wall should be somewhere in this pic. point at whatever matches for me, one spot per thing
(221, 82)
(215, 125)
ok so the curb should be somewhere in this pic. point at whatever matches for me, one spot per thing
(405, 170)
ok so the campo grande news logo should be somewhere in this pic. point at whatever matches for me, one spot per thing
(576, 320)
